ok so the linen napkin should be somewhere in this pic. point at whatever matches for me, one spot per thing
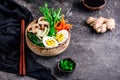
(11, 14)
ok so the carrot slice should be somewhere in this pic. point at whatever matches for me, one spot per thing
(62, 25)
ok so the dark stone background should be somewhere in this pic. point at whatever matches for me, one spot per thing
(97, 55)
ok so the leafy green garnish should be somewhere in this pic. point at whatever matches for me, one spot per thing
(52, 16)
(32, 37)
(67, 65)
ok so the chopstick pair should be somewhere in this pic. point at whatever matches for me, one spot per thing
(22, 64)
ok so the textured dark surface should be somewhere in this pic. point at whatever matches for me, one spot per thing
(97, 56)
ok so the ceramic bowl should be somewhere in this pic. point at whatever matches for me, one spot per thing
(43, 51)
(66, 71)
(98, 6)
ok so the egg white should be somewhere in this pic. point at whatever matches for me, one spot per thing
(65, 33)
(45, 38)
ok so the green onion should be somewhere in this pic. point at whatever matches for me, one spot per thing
(52, 16)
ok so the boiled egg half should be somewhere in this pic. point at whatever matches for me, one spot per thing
(61, 36)
(49, 42)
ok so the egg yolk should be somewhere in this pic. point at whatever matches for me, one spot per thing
(59, 37)
(50, 42)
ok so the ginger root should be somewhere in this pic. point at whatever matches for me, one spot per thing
(101, 24)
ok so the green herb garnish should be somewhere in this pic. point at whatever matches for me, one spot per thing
(67, 65)
(32, 37)
(52, 16)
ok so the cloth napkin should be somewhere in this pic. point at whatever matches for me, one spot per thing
(11, 14)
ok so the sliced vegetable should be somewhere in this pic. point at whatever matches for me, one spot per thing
(41, 33)
(62, 25)
(43, 28)
(33, 28)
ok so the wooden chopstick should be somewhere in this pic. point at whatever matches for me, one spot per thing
(22, 66)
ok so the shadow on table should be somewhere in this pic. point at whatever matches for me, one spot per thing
(59, 73)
